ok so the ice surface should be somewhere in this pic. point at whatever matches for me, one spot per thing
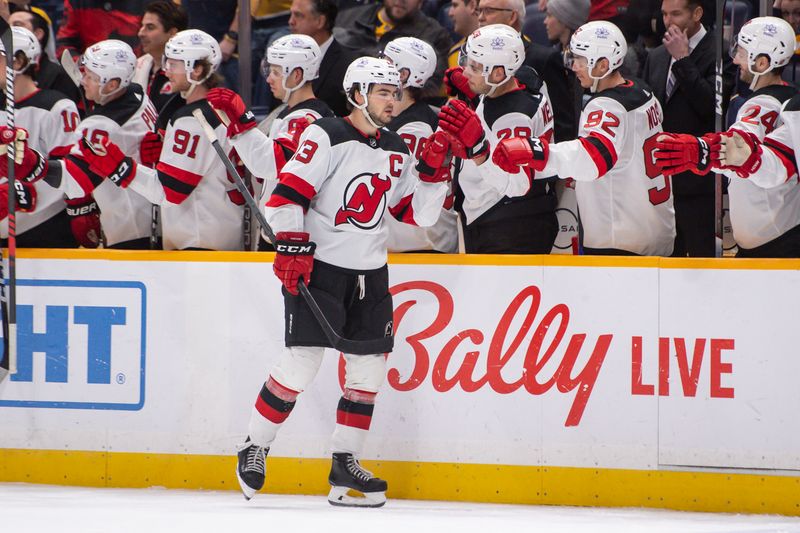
(54, 509)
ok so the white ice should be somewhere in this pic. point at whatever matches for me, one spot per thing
(28, 508)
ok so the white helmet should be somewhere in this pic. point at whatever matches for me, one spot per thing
(27, 43)
(769, 36)
(191, 46)
(597, 40)
(414, 55)
(291, 52)
(496, 45)
(110, 59)
(364, 72)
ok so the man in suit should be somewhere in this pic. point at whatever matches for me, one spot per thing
(681, 73)
(545, 60)
(316, 18)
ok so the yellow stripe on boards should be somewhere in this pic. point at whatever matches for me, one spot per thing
(681, 490)
(427, 259)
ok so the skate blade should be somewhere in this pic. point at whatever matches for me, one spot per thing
(247, 491)
(339, 497)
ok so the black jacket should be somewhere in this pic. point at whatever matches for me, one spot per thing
(549, 64)
(355, 29)
(328, 86)
(691, 108)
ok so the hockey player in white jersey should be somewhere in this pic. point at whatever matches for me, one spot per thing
(50, 120)
(765, 220)
(289, 66)
(504, 212)
(415, 121)
(327, 212)
(201, 209)
(625, 202)
(123, 114)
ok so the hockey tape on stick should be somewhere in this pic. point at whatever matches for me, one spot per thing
(70, 67)
(9, 302)
(356, 347)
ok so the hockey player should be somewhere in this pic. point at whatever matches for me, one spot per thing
(201, 208)
(625, 202)
(50, 120)
(415, 121)
(123, 114)
(765, 219)
(289, 66)
(505, 212)
(335, 191)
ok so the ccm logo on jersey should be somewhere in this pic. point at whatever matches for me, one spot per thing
(364, 201)
(81, 345)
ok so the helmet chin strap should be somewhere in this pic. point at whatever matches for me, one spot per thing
(756, 75)
(288, 92)
(105, 97)
(193, 83)
(363, 107)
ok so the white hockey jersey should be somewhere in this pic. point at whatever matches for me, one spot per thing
(414, 125)
(624, 201)
(345, 182)
(52, 121)
(515, 114)
(265, 158)
(124, 214)
(200, 206)
(758, 214)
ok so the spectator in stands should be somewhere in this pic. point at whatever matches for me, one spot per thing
(790, 12)
(316, 19)
(89, 21)
(219, 19)
(50, 74)
(368, 29)
(563, 18)
(464, 15)
(162, 19)
(545, 60)
(681, 73)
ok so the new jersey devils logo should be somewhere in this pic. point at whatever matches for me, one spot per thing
(364, 201)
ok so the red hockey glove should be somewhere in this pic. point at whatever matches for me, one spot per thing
(150, 149)
(294, 258)
(463, 125)
(231, 110)
(26, 198)
(84, 220)
(433, 164)
(677, 152)
(29, 165)
(457, 86)
(108, 161)
(511, 154)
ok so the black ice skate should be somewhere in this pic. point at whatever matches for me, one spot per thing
(252, 468)
(347, 474)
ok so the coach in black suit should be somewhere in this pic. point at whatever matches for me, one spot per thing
(681, 73)
(316, 19)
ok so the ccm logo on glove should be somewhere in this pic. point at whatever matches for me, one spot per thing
(296, 249)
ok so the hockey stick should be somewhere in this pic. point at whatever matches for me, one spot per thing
(339, 343)
(74, 73)
(9, 303)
